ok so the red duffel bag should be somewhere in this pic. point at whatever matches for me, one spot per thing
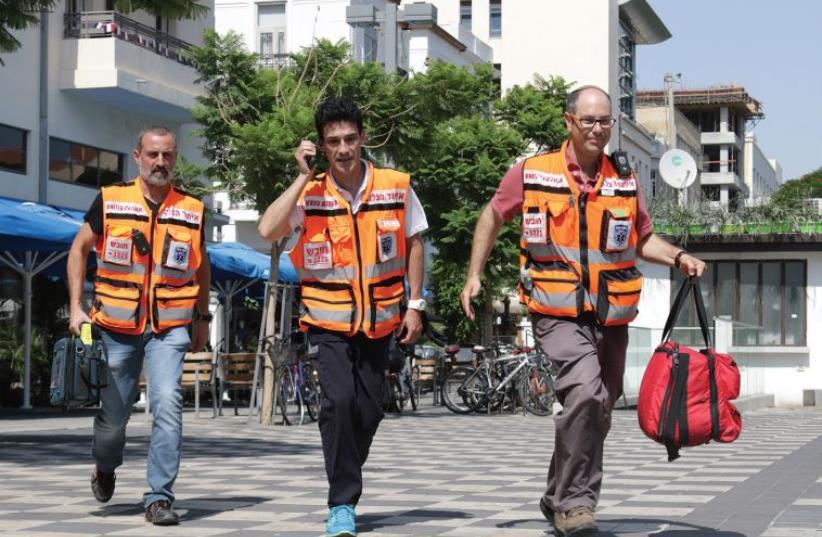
(685, 395)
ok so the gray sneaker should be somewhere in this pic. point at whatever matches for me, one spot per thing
(576, 522)
(160, 513)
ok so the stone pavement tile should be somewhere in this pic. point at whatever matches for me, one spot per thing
(71, 528)
(792, 532)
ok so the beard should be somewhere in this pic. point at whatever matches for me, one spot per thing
(158, 177)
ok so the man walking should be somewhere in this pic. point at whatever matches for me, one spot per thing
(584, 223)
(152, 279)
(358, 238)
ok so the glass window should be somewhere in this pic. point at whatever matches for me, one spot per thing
(771, 304)
(794, 303)
(725, 288)
(271, 24)
(465, 13)
(748, 305)
(83, 165)
(496, 18)
(12, 149)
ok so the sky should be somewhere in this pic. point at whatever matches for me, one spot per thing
(771, 48)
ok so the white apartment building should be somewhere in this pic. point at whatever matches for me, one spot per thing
(275, 29)
(763, 176)
(71, 111)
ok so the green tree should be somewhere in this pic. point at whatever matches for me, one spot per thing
(21, 14)
(796, 190)
(536, 111)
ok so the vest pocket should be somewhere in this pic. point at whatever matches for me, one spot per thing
(385, 297)
(117, 245)
(118, 306)
(618, 296)
(174, 305)
(616, 230)
(342, 249)
(556, 287)
(177, 250)
(329, 305)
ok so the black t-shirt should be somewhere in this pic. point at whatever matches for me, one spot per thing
(94, 215)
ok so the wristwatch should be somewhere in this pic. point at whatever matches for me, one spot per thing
(207, 316)
(417, 304)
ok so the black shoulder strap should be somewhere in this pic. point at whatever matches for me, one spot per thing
(688, 285)
(677, 413)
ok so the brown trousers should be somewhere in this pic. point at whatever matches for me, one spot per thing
(590, 362)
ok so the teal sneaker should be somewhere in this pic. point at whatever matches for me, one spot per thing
(341, 522)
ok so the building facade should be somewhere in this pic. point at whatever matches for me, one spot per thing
(71, 110)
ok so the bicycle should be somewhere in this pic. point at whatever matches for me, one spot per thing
(399, 387)
(516, 377)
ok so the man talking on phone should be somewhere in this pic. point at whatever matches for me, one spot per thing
(358, 239)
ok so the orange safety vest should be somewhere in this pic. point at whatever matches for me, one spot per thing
(352, 267)
(578, 250)
(153, 280)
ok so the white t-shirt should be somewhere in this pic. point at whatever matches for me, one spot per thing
(415, 221)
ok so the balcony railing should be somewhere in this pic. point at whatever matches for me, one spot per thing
(274, 61)
(98, 24)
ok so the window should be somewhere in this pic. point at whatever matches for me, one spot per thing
(12, 149)
(465, 14)
(495, 26)
(84, 165)
(765, 299)
(627, 61)
(271, 24)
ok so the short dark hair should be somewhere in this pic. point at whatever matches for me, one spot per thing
(157, 130)
(334, 110)
(572, 98)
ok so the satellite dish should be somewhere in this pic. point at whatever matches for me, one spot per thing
(677, 168)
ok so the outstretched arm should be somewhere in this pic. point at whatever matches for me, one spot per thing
(485, 235)
(655, 249)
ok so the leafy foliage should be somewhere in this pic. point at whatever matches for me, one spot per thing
(796, 190)
(536, 111)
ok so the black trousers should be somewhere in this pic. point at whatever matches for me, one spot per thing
(352, 377)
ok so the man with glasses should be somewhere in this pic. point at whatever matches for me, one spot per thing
(584, 223)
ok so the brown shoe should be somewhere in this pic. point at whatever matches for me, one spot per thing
(577, 522)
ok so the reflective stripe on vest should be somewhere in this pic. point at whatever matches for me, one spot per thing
(592, 235)
(351, 267)
(134, 286)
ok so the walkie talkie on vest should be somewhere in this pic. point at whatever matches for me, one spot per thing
(620, 161)
(140, 242)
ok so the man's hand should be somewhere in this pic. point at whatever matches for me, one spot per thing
(77, 317)
(691, 265)
(199, 336)
(411, 326)
(305, 150)
(469, 292)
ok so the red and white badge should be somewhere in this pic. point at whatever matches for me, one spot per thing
(118, 250)
(387, 246)
(317, 255)
(535, 227)
(178, 255)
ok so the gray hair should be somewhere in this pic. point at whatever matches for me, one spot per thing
(572, 98)
(157, 130)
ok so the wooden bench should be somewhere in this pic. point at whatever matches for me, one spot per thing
(198, 368)
(236, 370)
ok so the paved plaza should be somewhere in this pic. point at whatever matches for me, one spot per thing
(430, 473)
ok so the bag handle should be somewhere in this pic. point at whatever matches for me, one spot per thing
(689, 284)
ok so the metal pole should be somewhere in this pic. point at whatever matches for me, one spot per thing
(27, 332)
(43, 171)
(389, 27)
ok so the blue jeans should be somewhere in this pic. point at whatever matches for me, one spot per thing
(164, 366)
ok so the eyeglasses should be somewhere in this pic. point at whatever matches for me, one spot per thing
(588, 123)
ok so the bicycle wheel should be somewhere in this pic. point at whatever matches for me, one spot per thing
(412, 394)
(463, 390)
(396, 400)
(311, 393)
(538, 391)
(290, 399)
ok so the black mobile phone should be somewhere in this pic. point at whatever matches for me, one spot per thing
(621, 163)
(140, 242)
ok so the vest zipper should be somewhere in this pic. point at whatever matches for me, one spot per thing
(361, 308)
(152, 304)
(583, 249)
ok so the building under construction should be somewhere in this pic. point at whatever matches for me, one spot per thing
(720, 113)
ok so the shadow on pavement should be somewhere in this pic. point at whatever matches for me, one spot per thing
(638, 526)
(374, 521)
(182, 506)
(57, 449)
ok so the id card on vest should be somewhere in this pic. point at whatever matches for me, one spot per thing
(317, 255)
(178, 255)
(387, 246)
(535, 227)
(118, 250)
(618, 233)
